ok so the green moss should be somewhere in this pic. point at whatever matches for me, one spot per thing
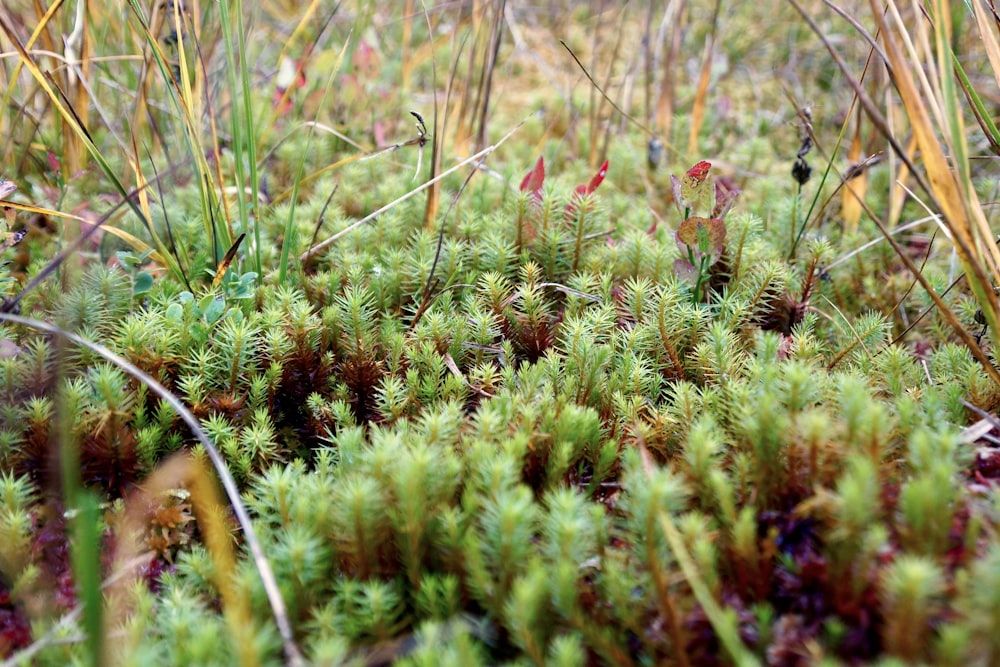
(519, 433)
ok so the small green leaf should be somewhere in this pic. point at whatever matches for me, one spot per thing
(127, 259)
(214, 309)
(205, 302)
(175, 312)
(142, 283)
(245, 287)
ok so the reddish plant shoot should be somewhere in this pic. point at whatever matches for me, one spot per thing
(695, 190)
(586, 190)
(594, 182)
(701, 240)
(696, 174)
(55, 164)
(534, 180)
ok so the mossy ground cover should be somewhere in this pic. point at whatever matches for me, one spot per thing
(558, 335)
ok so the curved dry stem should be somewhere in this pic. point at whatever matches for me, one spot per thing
(292, 653)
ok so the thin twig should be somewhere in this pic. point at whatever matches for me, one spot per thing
(649, 132)
(322, 214)
(431, 282)
(420, 188)
(875, 241)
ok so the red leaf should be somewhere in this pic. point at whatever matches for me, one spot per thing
(698, 172)
(695, 189)
(534, 179)
(686, 271)
(595, 181)
(584, 190)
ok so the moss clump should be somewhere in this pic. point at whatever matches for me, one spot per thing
(606, 416)
(494, 477)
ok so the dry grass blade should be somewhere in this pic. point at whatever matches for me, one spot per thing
(136, 243)
(437, 141)
(220, 270)
(945, 311)
(36, 33)
(186, 103)
(69, 115)
(184, 471)
(11, 303)
(142, 197)
(939, 303)
(76, 48)
(705, 76)
(954, 197)
(939, 182)
(899, 192)
(988, 33)
(666, 100)
(854, 188)
(274, 598)
(489, 65)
